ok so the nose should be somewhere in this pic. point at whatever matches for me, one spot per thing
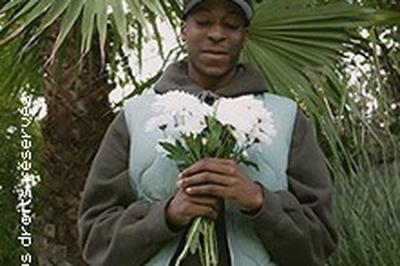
(216, 33)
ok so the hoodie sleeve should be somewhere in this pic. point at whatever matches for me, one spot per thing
(296, 226)
(114, 227)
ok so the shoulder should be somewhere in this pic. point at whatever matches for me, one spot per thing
(304, 131)
(270, 97)
(138, 100)
(136, 109)
(280, 104)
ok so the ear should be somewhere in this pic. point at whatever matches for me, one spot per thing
(184, 31)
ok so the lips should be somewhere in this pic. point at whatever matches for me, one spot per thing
(215, 52)
(216, 56)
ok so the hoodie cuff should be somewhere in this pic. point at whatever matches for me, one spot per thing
(271, 210)
(157, 217)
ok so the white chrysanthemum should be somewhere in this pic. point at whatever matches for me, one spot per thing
(229, 112)
(177, 102)
(264, 134)
(192, 125)
(264, 129)
(156, 122)
(249, 118)
(240, 137)
(180, 113)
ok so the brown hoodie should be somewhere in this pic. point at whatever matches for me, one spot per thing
(295, 226)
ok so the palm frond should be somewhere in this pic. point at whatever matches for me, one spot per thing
(297, 46)
(21, 72)
(287, 39)
(93, 16)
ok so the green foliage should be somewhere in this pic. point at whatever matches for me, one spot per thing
(290, 39)
(202, 237)
(297, 47)
(9, 247)
(32, 33)
(21, 73)
(92, 17)
(367, 209)
(216, 141)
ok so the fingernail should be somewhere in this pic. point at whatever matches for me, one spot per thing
(179, 183)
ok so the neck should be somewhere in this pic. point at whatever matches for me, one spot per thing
(211, 83)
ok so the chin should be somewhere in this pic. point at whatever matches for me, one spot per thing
(216, 71)
(213, 70)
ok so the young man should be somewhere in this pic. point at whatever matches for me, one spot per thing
(284, 218)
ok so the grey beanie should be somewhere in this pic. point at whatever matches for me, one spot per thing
(244, 5)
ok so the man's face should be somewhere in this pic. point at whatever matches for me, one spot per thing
(214, 33)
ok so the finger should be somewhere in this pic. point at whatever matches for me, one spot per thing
(183, 208)
(217, 165)
(209, 190)
(202, 210)
(204, 178)
(188, 201)
(207, 201)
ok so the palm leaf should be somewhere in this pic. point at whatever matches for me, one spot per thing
(30, 12)
(101, 19)
(72, 15)
(120, 19)
(297, 46)
(27, 76)
(92, 15)
(87, 26)
(289, 38)
(11, 5)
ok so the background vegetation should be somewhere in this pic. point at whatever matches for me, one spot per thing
(341, 63)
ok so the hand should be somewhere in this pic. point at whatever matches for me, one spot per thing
(184, 207)
(222, 178)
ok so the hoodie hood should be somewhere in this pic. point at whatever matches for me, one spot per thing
(247, 80)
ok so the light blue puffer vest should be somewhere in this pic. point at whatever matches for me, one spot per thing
(154, 176)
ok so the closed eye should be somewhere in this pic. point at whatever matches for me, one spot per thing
(203, 23)
(232, 26)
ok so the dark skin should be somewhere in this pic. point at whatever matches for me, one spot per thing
(214, 34)
(206, 181)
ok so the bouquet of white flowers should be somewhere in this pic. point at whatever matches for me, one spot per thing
(193, 130)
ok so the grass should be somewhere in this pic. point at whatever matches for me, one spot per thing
(367, 209)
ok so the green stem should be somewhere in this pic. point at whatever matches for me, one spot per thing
(194, 229)
(214, 260)
(206, 242)
(202, 253)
